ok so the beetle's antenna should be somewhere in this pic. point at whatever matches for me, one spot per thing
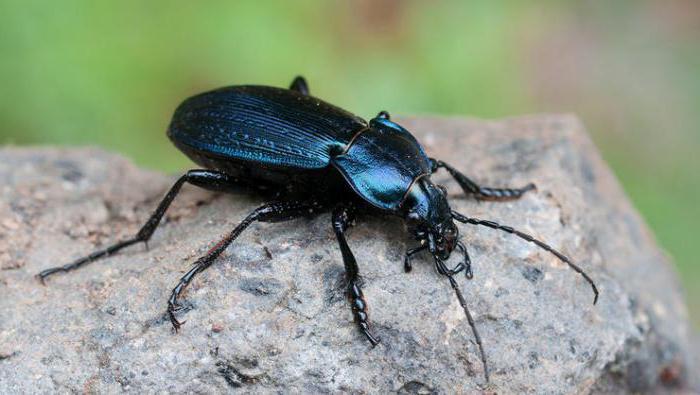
(494, 225)
(442, 269)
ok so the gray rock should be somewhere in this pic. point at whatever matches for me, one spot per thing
(270, 315)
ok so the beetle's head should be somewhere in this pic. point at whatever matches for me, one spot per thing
(429, 217)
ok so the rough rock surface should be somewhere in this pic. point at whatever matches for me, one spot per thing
(270, 315)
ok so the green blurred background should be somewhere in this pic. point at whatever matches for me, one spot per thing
(110, 74)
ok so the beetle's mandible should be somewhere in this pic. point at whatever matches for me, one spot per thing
(310, 156)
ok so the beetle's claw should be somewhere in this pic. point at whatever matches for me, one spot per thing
(372, 339)
(468, 272)
(172, 309)
(174, 321)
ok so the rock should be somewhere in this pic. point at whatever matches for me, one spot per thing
(271, 316)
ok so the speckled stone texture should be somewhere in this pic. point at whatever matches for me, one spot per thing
(270, 316)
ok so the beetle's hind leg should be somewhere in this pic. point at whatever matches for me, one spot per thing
(271, 212)
(485, 193)
(299, 84)
(208, 179)
(342, 216)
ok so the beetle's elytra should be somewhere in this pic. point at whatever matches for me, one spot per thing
(316, 157)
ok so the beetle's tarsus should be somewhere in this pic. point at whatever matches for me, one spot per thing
(175, 323)
(40, 278)
(173, 308)
(374, 340)
(481, 193)
(342, 218)
(595, 297)
(468, 273)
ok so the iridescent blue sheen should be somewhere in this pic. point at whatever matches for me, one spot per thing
(382, 164)
(276, 134)
(264, 125)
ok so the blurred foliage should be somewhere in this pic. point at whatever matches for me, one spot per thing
(110, 74)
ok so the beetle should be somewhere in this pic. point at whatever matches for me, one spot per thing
(309, 157)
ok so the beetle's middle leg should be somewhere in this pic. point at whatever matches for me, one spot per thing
(271, 212)
(342, 216)
(471, 188)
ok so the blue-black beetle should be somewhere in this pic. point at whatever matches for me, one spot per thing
(311, 156)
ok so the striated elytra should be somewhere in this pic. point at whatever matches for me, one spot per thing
(308, 156)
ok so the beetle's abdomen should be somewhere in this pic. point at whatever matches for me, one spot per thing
(382, 163)
(264, 126)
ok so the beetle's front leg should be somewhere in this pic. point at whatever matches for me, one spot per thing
(342, 216)
(486, 193)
